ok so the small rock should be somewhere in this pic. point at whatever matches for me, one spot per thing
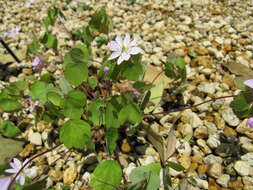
(211, 159)
(183, 148)
(213, 141)
(197, 158)
(243, 168)
(69, 175)
(125, 147)
(247, 180)
(229, 116)
(223, 180)
(185, 161)
(208, 88)
(203, 146)
(248, 146)
(185, 129)
(29, 148)
(201, 183)
(202, 169)
(90, 159)
(35, 138)
(236, 184)
(27, 71)
(229, 132)
(192, 118)
(201, 132)
(55, 175)
(215, 170)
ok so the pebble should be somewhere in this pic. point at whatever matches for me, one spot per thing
(191, 118)
(223, 180)
(201, 132)
(208, 88)
(185, 161)
(213, 141)
(69, 175)
(243, 168)
(35, 138)
(215, 170)
(211, 159)
(230, 118)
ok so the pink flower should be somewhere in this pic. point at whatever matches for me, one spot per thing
(37, 63)
(106, 69)
(250, 122)
(123, 48)
(33, 105)
(249, 83)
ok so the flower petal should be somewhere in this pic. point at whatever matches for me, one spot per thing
(13, 171)
(22, 180)
(113, 46)
(135, 50)
(127, 40)
(126, 56)
(5, 183)
(17, 163)
(114, 55)
(120, 60)
(119, 40)
(249, 83)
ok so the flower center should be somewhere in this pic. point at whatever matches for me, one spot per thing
(124, 48)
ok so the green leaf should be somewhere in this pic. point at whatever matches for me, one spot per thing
(154, 167)
(111, 139)
(75, 65)
(73, 104)
(142, 86)
(50, 41)
(8, 129)
(32, 48)
(131, 113)
(175, 166)
(55, 98)
(9, 148)
(155, 97)
(95, 112)
(132, 71)
(64, 85)
(39, 90)
(145, 175)
(145, 99)
(51, 16)
(9, 105)
(75, 133)
(107, 172)
(38, 185)
(241, 104)
(175, 67)
(101, 21)
(92, 81)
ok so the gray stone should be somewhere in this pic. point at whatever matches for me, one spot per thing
(223, 180)
(229, 116)
(208, 88)
(213, 141)
(211, 159)
(192, 118)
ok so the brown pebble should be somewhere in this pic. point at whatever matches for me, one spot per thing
(55, 175)
(27, 71)
(125, 147)
(202, 169)
(197, 158)
(235, 185)
(29, 148)
(229, 131)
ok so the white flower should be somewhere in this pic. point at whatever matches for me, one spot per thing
(123, 48)
(16, 166)
(5, 182)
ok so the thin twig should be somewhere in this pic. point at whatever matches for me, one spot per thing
(157, 76)
(9, 50)
(192, 106)
(36, 156)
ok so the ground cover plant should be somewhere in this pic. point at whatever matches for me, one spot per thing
(93, 108)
